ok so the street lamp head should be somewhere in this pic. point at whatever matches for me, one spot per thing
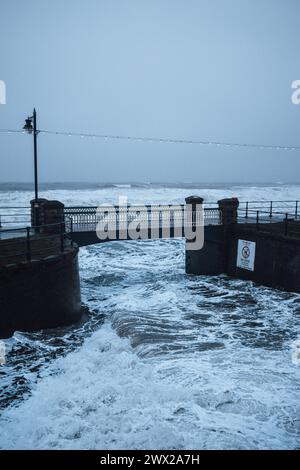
(28, 125)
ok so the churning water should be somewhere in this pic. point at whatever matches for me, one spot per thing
(161, 359)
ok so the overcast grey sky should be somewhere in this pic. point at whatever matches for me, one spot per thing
(193, 69)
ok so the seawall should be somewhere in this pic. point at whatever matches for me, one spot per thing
(266, 253)
(276, 259)
(39, 294)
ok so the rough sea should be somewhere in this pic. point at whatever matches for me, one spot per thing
(160, 359)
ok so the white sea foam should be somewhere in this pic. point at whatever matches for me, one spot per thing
(105, 396)
(146, 194)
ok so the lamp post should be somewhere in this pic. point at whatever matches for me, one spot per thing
(30, 127)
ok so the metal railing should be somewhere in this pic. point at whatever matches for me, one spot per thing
(290, 206)
(284, 223)
(21, 215)
(33, 243)
(14, 215)
(82, 218)
(271, 207)
(87, 218)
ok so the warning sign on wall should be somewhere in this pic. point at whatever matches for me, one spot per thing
(246, 255)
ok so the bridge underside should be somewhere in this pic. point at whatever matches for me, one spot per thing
(89, 237)
(212, 233)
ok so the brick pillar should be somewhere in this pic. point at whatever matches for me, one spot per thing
(229, 218)
(192, 202)
(207, 259)
(212, 258)
(37, 212)
(228, 208)
(47, 213)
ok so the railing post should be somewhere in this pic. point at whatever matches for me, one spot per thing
(246, 216)
(0, 222)
(62, 241)
(286, 224)
(257, 220)
(149, 221)
(296, 211)
(28, 244)
(271, 209)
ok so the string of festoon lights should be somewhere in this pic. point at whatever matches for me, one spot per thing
(158, 140)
